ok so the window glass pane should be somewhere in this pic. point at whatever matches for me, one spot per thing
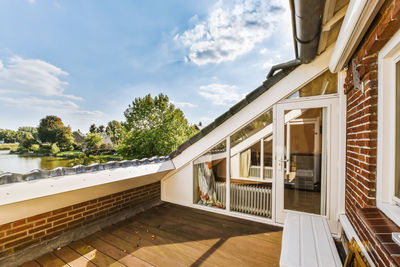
(209, 174)
(305, 164)
(250, 162)
(325, 84)
(397, 174)
(253, 127)
(268, 157)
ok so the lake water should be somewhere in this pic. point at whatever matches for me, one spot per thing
(23, 164)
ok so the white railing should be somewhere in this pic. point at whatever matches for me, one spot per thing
(250, 199)
(255, 172)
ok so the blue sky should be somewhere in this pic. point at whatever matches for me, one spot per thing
(85, 61)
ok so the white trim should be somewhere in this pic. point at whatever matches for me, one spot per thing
(342, 143)
(331, 105)
(359, 16)
(350, 233)
(22, 191)
(387, 129)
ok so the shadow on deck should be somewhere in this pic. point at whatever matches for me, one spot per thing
(172, 235)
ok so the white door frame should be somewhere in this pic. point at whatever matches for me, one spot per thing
(331, 104)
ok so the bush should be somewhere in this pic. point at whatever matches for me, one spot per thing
(54, 149)
(34, 148)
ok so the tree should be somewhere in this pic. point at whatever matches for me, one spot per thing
(101, 129)
(49, 129)
(154, 127)
(93, 142)
(54, 149)
(65, 139)
(27, 142)
(93, 128)
(115, 131)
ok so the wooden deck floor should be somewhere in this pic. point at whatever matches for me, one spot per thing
(171, 235)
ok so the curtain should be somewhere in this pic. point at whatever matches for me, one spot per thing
(206, 179)
(245, 161)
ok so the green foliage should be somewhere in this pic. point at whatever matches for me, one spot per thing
(93, 142)
(54, 149)
(49, 129)
(93, 128)
(26, 143)
(101, 129)
(115, 131)
(64, 139)
(52, 130)
(154, 128)
(34, 148)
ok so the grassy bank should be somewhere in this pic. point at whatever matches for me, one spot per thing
(8, 146)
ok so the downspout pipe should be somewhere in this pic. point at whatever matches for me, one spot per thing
(283, 66)
(306, 18)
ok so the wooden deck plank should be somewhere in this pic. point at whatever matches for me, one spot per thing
(157, 255)
(50, 260)
(73, 258)
(92, 254)
(114, 252)
(31, 264)
(171, 235)
(183, 248)
(265, 251)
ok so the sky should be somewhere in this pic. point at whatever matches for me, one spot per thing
(86, 61)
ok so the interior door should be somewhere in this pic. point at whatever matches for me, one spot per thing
(302, 157)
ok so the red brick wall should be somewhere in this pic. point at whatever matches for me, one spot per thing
(361, 146)
(20, 234)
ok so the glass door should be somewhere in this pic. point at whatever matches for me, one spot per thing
(301, 158)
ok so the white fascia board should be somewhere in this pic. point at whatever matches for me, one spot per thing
(359, 16)
(296, 79)
(21, 191)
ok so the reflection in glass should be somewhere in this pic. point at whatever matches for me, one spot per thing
(210, 177)
(325, 84)
(250, 162)
(253, 127)
(304, 165)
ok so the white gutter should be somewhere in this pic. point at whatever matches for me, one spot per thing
(359, 16)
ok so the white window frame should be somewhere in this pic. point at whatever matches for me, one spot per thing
(385, 190)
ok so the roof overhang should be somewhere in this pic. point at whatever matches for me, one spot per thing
(358, 18)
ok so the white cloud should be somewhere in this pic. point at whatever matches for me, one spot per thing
(183, 104)
(221, 94)
(34, 102)
(31, 1)
(231, 31)
(33, 77)
(34, 86)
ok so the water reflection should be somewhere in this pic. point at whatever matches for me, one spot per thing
(23, 164)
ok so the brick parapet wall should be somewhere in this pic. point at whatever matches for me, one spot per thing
(361, 134)
(18, 235)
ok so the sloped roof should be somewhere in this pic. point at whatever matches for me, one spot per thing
(233, 110)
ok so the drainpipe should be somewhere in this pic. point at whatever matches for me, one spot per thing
(306, 22)
(306, 19)
(283, 66)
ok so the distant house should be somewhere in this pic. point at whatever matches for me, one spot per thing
(314, 149)
(79, 137)
(106, 138)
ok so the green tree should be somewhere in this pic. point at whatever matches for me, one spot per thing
(93, 142)
(93, 128)
(65, 140)
(101, 129)
(49, 129)
(154, 127)
(54, 149)
(27, 142)
(115, 131)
